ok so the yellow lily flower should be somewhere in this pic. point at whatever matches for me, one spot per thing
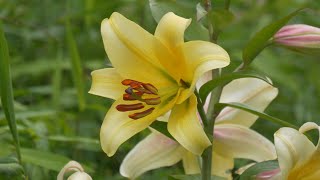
(153, 74)
(232, 137)
(299, 158)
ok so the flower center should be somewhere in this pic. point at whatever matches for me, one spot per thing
(146, 93)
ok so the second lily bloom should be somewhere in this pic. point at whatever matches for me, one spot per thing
(232, 136)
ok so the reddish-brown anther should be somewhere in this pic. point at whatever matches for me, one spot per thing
(153, 101)
(141, 114)
(127, 82)
(150, 88)
(129, 107)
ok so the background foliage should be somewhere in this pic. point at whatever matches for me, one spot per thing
(54, 45)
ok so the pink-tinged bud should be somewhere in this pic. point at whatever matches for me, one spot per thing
(299, 37)
(269, 175)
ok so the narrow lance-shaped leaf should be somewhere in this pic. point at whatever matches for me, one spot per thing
(77, 73)
(46, 160)
(6, 90)
(225, 79)
(262, 115)
(261, 38)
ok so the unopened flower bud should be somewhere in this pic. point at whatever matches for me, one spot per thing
(299, 37)
(74, 166)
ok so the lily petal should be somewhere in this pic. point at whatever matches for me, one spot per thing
(190, 163)
(153, 152)
(132, 52)
(309, 126)
(200, 57)
(185, 126)
(117, 127)
(241, 142)
(293, 149)
(170, 30)
(107, 83)
(223, 165)
(250, 91)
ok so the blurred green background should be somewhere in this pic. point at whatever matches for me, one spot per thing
(54, 45)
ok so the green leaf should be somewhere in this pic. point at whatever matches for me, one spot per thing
(261, 38)
(46, 160)
(192, 177)
(83, 143)
(77, 73)
(6, 89)
(205, 90)
(262, 115)
(186, 9)
(11, 170)
(258, 168)
(32, 114)
(161, 127)
(220, 19)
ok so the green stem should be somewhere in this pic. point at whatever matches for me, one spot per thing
(227, 4)
(207, 154)
(209, 119)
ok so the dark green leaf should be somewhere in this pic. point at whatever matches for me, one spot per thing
(261, 38)
(161, 127)
(46, 160)
(262, 115)
(220, 19)
(254, 170)
(186, 9)
(11, 170)
(6, 89)
(192, 177)
(225, 79)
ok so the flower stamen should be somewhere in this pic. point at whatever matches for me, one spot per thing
(129, 107)
(135, 91)
(141, 114)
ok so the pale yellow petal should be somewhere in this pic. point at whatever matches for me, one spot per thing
(293, 149)
(250, 91)
(202, 80)
(79, 176)
(185, 126)
(170, 30)
(309, 126)
(117, 127)
(310, 169)
(200, 57)
(222, 165)
(107, 83)
(241, 142)
(131, 51)
(153, 152)
(190, 163)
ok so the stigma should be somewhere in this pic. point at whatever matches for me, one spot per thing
(145, 93)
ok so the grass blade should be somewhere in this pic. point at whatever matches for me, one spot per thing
(76, 66)
(6, 90)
